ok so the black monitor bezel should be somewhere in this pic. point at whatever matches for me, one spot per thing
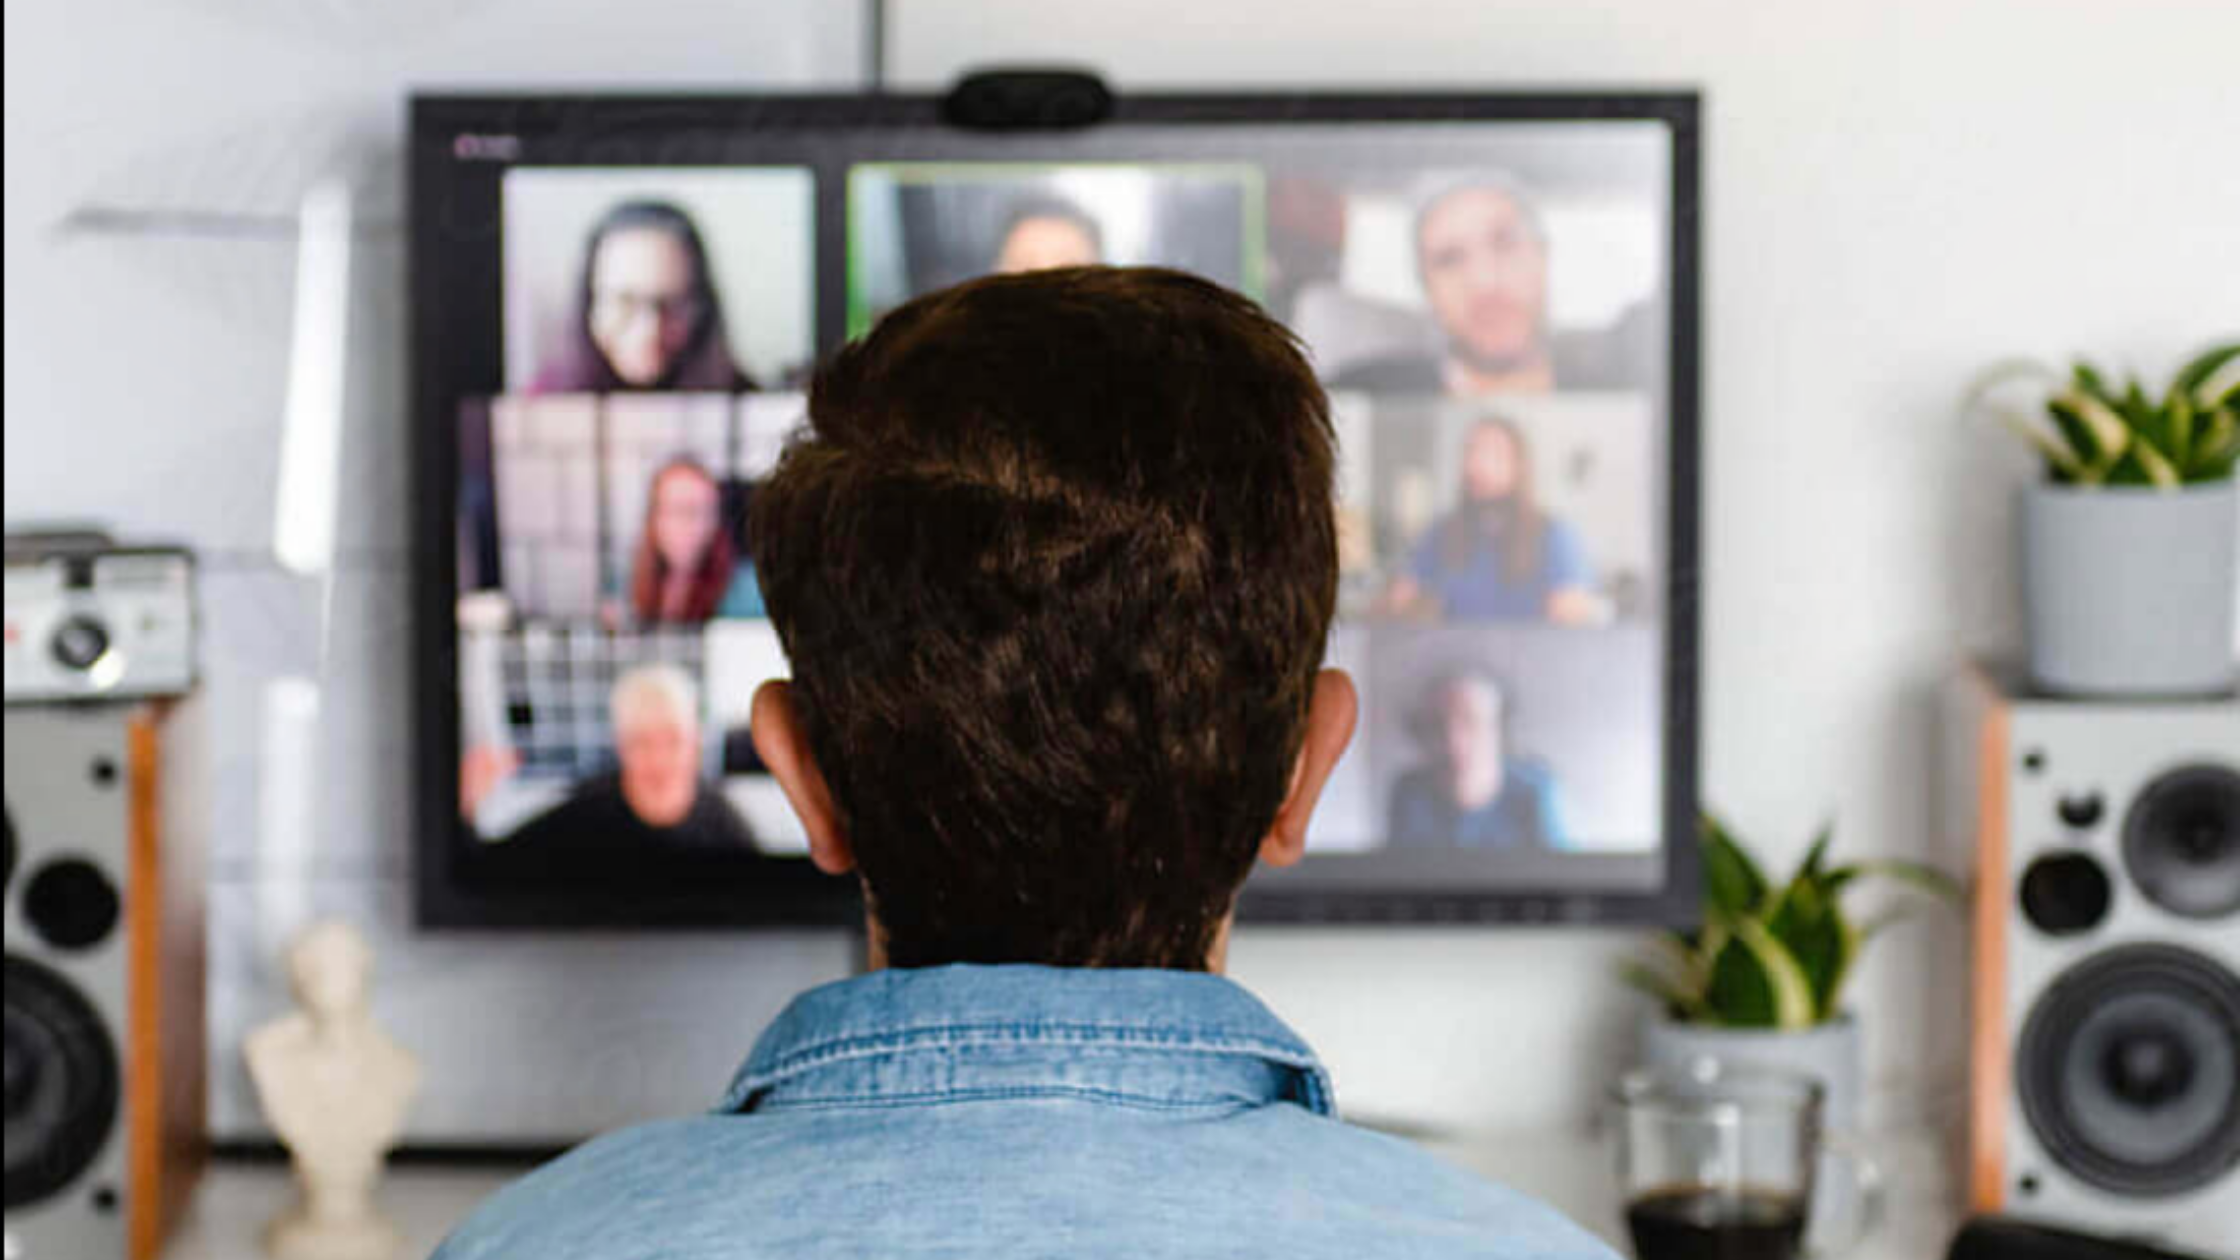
(446, 893)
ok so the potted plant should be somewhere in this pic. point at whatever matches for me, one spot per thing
(1761, 983)
(2129, 552)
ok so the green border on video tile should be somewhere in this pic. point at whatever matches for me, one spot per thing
(1251, 179)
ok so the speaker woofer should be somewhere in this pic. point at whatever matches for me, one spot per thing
(61, 1082)
(2129, 1070)
(2181, 842)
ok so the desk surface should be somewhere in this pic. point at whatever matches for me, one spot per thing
(1568, 1170)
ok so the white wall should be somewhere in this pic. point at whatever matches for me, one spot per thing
(1896, 192)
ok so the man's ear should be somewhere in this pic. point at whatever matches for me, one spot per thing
(776, 728)
(1330, 717)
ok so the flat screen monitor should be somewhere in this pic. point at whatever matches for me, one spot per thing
(616, 304)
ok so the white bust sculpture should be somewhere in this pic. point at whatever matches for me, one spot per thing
(335, 1090)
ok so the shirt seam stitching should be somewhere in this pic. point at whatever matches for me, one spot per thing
(868, 1046)
(830, 1049)
(839, 1102)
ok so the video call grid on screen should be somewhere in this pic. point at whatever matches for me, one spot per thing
(1518, 715)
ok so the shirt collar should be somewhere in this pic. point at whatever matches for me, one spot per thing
(1167, 1038)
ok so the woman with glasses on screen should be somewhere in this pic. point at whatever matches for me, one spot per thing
(687, 568)
(1498, 556)
(647, 314)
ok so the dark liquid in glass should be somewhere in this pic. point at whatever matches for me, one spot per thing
(1703, 1223)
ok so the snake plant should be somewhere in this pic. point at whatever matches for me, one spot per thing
(1771, 955)
(2096, 434)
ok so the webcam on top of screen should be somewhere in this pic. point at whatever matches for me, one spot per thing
(1028, 98)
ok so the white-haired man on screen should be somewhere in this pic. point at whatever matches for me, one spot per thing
(655, 800)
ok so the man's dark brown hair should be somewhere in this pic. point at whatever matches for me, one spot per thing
(1053, 564)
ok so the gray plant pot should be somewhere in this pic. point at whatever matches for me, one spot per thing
(1829, 1053)
(2129, 590)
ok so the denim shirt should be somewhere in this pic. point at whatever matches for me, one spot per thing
(1015, 1111)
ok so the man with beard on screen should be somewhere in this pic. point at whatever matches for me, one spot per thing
(1482, 259)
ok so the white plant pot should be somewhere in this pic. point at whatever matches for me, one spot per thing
(1829, 1053)
(2129, 590)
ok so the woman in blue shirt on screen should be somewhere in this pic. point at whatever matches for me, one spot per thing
(1498, 556)
(1473, 791)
